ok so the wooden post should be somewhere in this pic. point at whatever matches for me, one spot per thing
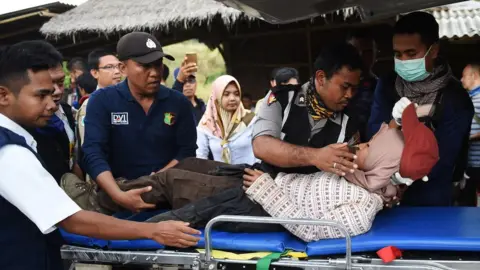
(226, 52)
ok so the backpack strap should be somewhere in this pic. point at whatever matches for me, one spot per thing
(476, 118)
(67, 109)
(389, 81)
(436, 112)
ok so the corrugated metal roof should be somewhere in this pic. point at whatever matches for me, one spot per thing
(458, 20)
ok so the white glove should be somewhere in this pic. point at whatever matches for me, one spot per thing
(397, 179)
(398, 109)
(464, 180)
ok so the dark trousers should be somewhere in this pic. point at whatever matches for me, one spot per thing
(468, 195)
(232, 201)
(197, 194)
(187, 182)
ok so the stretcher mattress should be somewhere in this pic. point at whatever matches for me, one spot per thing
(447, 229)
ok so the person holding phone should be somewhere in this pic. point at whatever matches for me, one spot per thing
(186, 82)
(188, 68)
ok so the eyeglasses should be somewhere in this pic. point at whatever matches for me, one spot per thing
(110, 67)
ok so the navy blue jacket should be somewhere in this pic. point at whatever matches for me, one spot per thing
(360, 105)
(198, 110)
(451, 131)
(23, 245)
(120, 137)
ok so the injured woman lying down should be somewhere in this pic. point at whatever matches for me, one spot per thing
(353, 200)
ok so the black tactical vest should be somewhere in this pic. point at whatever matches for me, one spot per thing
(296, 129)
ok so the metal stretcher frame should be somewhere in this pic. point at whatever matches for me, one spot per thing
(197, 261)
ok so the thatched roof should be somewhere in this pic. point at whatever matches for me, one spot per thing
(107, 16)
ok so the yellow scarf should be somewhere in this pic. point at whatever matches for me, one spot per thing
(230, 125)
(221, 123)
(315, 106)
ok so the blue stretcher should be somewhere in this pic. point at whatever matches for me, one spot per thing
(454, 229)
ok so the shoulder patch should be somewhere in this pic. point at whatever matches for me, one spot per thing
(302, 99)
(169, 118)
(271, 99)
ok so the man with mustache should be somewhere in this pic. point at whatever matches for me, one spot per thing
(138, 126)
(303, 129)
(32, 205)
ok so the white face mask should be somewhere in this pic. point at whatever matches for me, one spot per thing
(412, 70)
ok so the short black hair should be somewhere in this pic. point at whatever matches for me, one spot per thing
(94, 58)
(16, 60)
(335, 56)
(421, 23)
(285, 74)
(166, 72)
(77, 63)
(87, 82)
(358, 33)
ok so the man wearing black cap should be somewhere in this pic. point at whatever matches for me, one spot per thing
(138, 126)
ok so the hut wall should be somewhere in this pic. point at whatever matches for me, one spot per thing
(252, 59)
(461, 53)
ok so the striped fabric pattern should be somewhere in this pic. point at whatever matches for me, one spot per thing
(474, 151)
(316, 196)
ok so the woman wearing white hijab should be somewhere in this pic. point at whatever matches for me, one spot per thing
(225, 129)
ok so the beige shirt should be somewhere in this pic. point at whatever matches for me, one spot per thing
(81, 121)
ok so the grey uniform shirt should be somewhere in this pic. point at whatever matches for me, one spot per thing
(270, 121)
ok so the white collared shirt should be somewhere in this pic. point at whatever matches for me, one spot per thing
(68, 130)
(28, 186)
(240, 146)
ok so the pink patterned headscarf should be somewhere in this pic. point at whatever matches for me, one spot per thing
(382, 161)
(215, 114)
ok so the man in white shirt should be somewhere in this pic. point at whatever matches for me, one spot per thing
(32, 204)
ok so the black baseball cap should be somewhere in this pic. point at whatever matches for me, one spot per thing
(140, 47)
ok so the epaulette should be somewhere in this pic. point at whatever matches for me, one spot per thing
(280, 93)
